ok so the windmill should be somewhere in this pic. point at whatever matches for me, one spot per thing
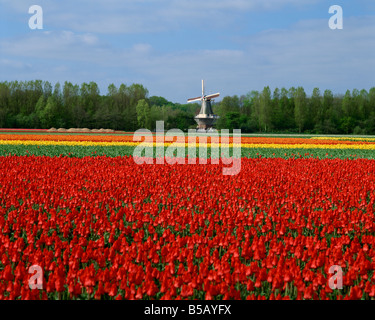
(206, 118)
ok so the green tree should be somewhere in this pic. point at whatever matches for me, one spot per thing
(277, 114)
(158, 101)
(228, 104)
(70, 101)
(233, 120)
(47, 113)
(180, 119)
(265, 109)
(247, 104)
(254, 102)
(300, 109)
(347, 104)
(286, 110)
(347, 124)
(316, 108)
(362, 102)
(143, 114)
(47, 89)
(4, 103)
(40, 112)
(157, 114)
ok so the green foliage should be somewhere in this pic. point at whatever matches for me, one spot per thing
(293, 111)
(300, 108)
(232, 120)
(180, 120)
(228, 104)
(158, 101)
(38, 104)
(347, 124)
(265, 109)
(143, 114)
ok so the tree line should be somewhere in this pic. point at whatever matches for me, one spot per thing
(39, 104)
(293, 111)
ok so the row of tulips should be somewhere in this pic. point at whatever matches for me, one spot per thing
(106, 228)
(114, 151)
(58, 138)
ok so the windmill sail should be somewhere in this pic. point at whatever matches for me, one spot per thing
(204, 97)
(212, 96)
(194, 99)
(206, 118)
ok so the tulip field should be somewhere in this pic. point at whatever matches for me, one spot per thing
(101, 226)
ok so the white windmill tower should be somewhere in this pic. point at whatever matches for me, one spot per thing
(206, 118)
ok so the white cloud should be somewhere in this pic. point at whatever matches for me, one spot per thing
(14, 64)
(307, 54)
(312, 54)
(142, 48)
(198, 5)
(50, 45)
(139, 16)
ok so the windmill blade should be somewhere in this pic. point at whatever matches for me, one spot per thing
(211, 96)
(194, 99)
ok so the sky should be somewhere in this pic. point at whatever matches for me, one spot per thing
(236, 46)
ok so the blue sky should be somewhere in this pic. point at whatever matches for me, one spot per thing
(170, 45)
